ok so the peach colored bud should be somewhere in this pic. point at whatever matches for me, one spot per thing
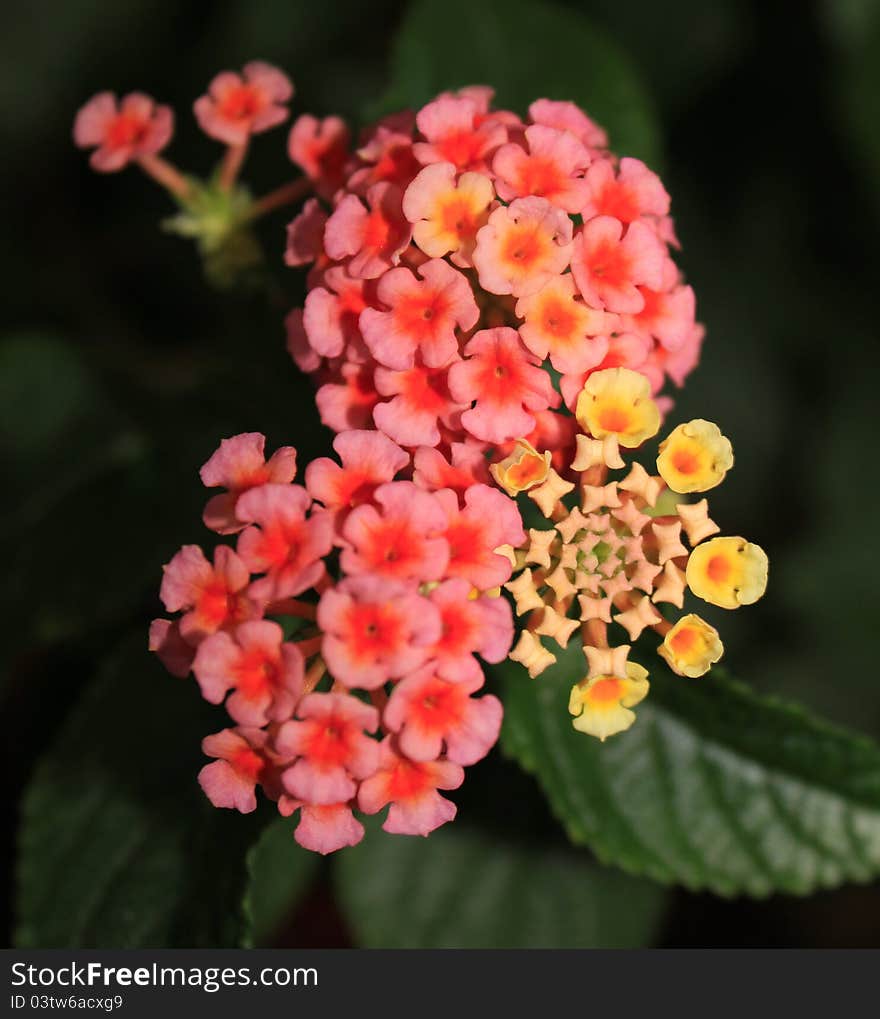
(547, 495)
(532, 654)
(695, 521)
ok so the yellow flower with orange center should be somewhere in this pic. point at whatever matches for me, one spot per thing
(691, 647)
(694, 457)
(728, 572)
(601, 705)
(618, 402)
(522, 469)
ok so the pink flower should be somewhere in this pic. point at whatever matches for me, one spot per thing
(456, 133)
(173, 651)
(375, 630)
(122, 132)
(331, 749)
(446, 212)
(504, 381)
(240, 464)
(421, 404)
(668, 314)
(282, 542)
(369, 459)
(265, 673)
(471, 626)
(398, 540)
(625, 350)
(522, 247)
(559, 325)
(325, 828)
(386, 156)
(320, 149)
(411, 789)
(348, 403)
(332, 312)
(305, 235)
(373, 236)
(211, 597)
(427, 712)
(551, 166)
(631, 192)
(298, 346)
(609, 266)
(422, 316)
(566, 116)
(488, 519)
(239, 105)
(465, 466)
(232, 779)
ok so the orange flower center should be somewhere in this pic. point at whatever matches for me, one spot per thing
(718, 568)
(606, 690)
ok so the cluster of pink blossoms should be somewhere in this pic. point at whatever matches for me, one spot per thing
(356, 693)
(459, 253)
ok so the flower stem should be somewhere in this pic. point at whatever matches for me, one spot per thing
(165, 174)
(232, 161)
(287, 194)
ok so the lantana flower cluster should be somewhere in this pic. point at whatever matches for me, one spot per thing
(349, 688)
(460, 253)
(618, 549)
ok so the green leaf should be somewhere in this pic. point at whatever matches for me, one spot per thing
(526, 50)
(118, 847)
(463, 889)
(714, 787)
(279, 872)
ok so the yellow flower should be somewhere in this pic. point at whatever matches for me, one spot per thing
(694, 457)
(601, 705)
(691, 647)
(728, 572)
(617, 401)
(524, 468)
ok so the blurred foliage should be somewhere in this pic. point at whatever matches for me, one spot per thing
(463, 889)
(120, 370)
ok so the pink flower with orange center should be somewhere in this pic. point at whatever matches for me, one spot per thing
(400, 538)
(668, 314)
(386, 156)
(446, 212)
(456, 132)
(281, 542)
(558, 325)
(212, 597)
(551, 166)
(320, 149)
(609, 265)
(332, 312)
(368, 460)
(122, 131)
(627, 193)
(504, 382)
(239, 105)
(565, 116)
(462, 467)
(325, 828)
(470, 626)
(522, 247)
(427, 712)
(237, 465)
(411, 787)
(231, 780)
(264, 672)
(422, 317)
(372, 236)
(420, 403)
(375, 630)
(331, 749)
(473, 532)
(347, 402)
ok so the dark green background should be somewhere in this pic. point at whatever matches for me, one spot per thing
(119, 369)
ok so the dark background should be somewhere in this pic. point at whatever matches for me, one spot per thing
(120, 369)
